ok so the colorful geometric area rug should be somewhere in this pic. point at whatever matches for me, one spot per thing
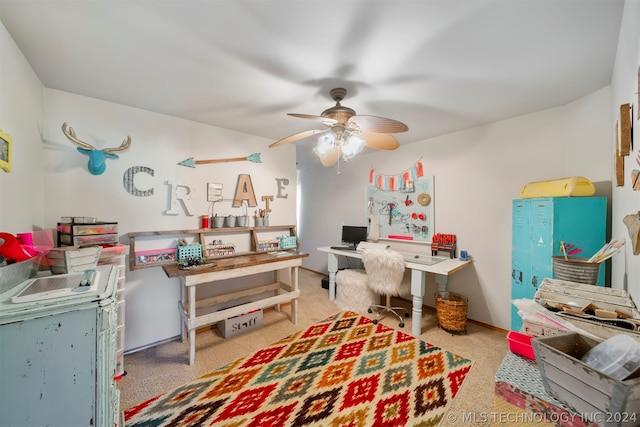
(343, 371)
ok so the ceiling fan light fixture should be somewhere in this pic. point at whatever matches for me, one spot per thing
(347, 132)
(326, 143)
(352, 147)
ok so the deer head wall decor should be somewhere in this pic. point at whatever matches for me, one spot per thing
(97, 158)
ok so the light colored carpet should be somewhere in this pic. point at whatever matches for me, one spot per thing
(155, 370)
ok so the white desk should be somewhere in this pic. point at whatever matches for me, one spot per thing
(419, 266)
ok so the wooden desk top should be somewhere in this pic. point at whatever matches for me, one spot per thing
(249, 260)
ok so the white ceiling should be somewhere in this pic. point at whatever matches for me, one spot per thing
(436, 65)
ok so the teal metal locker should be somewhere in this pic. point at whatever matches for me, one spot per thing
(538, 227)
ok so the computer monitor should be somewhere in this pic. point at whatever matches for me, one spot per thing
(352, 234)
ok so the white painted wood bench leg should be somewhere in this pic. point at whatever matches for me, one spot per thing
(183, 326)
(294, 302)
(192, 330)
(277, 276)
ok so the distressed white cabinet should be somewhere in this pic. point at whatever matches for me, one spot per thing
(58, 358)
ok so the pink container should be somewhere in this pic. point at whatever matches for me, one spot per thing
(520, 344)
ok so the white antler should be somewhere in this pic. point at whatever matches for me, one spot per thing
(73, 138)
(125, 144)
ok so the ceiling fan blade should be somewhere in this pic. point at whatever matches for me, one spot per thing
(330, 158)
(296, 137)
(378, 124)
(327, 121)
(380, 141)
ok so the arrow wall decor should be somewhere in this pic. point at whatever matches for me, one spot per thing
(190, 162)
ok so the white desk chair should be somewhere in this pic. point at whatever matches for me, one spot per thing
(385, 272)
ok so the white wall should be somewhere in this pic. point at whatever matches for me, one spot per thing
(21, 95)
(626, 201)
(477, 173)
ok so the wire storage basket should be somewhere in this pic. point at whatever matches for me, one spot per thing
(451, 310)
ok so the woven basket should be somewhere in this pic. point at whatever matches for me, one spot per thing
(451, 309)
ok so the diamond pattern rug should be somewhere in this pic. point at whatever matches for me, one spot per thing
(343, 371)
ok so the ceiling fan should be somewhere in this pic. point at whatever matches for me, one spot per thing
(346, 133)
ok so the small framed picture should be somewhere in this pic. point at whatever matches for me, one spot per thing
(5, 152)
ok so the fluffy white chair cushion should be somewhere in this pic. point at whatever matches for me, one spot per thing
(385, 271)
(352, 291)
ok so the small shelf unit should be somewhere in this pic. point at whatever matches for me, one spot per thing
(163, 256)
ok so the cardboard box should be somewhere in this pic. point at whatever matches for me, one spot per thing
(240, 324)
(596, 396)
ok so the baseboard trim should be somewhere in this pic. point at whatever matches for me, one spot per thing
(313, 271)
(178, 337)
(151, 345)
(484, 325)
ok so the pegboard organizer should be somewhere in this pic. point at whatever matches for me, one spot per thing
(190, 251)
(288, 242)
(403, 211)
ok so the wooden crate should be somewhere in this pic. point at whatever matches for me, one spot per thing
(600, 330)
(72, 259)
(562, 291)
(597, 397)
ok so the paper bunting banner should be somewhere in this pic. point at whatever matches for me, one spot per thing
(400, 181)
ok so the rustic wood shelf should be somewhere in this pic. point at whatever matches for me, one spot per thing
(201, 233)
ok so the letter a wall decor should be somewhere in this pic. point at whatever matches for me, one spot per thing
(244, 191)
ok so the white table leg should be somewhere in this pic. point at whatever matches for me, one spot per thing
(183, 325)
(417, 291)
(192, 330)
(441, 282)
(294, 302)
(277, 277)
(333, 268)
